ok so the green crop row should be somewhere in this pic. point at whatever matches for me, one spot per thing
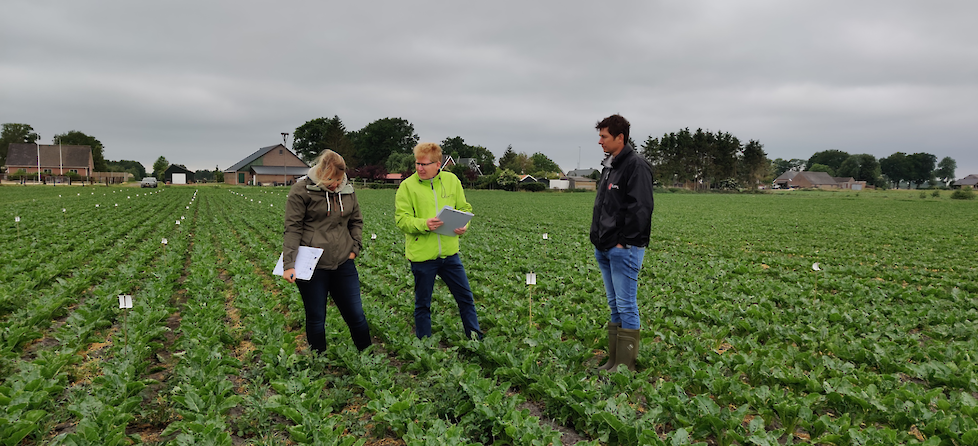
(743, 341)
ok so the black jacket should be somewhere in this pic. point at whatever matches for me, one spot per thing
(623, 206)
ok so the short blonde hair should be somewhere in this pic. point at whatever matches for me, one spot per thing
(429, 149)
(329, 163)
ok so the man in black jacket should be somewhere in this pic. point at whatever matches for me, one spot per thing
(620, 228)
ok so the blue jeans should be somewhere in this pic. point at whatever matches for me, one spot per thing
(619, 269)
(343, 284)
(453, 273)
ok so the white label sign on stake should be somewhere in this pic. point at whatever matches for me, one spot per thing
(373, 236)
(125, 301)
(545, 236)
(531, 278)
(16, 219)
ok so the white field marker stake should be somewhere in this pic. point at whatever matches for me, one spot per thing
(125, 303)
(815, 268)
(531, 279)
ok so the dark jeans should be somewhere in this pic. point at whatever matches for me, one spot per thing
(343, 284)
(450, 270)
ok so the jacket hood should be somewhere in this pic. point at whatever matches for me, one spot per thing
(344, 187)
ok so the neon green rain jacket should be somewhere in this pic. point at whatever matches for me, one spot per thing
(418, 200)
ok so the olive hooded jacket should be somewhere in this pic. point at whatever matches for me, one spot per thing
(318, 217)
(418, 200)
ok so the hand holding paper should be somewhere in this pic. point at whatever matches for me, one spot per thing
(453, 220)
(305, 262)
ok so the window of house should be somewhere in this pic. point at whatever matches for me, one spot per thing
(73, 170)
(47, 170)
(279, 151)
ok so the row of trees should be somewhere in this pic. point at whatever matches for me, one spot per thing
(890, 172)
(704, 159)
(385, 146)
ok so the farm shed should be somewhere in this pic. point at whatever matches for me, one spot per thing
(183, 175)
(55, 159)
(269, 165)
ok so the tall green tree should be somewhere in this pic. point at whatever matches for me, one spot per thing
(311, 138)
(543, 165)
(159, 167)
(781, 166)
(204, 175)
(379, 139)
(862, 167)
(945, 170)
(457, 148)
(136, 168)
(485, 159)
(831, 158)
(402, 163)
(897, 168)
(923, 168)
(75, 137)
(523, 164)
(15, 134)
(754, 164)
(508, 160)
(819, 167)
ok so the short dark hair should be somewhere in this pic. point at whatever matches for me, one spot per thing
(616, 125)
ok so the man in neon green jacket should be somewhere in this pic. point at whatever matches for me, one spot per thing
(418, 200)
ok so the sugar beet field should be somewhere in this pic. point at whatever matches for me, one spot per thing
(743, 342)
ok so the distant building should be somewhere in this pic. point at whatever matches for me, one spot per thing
(180, 172)
(55, 159)
(581, 183)
(581, 172)
(447, 162)
(815, 180)
(472, 164)
(270, 165)
(970, 180)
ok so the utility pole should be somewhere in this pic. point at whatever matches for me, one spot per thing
(285, 170)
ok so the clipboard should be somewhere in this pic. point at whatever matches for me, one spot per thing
(305, 262)
(452, 219)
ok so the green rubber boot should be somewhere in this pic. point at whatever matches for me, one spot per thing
(628, 343)
(612, 346)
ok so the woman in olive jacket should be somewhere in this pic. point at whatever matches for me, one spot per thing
(322, 212)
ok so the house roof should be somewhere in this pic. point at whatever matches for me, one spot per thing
(786, 176)
(970, 180)
(472, 163)
(581, 172)
(20, 154)
(177, 168)
(816, 178)
(241, 165)
(445, 159)
(279, 170)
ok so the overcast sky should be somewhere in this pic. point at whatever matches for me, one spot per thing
(206, 83)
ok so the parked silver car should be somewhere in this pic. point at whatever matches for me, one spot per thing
(148, 182)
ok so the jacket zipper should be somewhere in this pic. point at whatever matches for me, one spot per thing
(435, 195)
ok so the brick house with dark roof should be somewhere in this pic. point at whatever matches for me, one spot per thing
(970, 180)
(269, 165)
(55, 159)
